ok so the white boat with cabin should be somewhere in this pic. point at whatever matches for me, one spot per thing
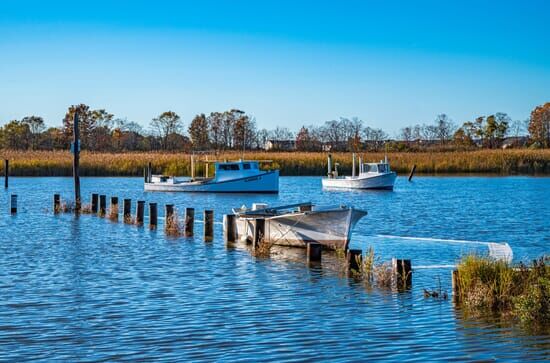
(241, 176)
(371, 176)
(298, 224)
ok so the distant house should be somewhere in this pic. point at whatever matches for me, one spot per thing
(514, 141)
(280, 145)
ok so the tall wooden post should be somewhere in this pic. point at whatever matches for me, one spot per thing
(140, 212)
(229, 228)
(189, 222)
(95, 199)
(102, 205)
(6, 173)
(76, 162)
(412, 172)
(153, 215)
(127, 211)
(208, 225)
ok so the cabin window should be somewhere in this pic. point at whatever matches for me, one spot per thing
(229, 167)
(246, 166)
(382, 168)
(370, 168)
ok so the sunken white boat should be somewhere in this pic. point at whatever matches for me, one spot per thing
(230, 177)
(298, 224)
(371, 176)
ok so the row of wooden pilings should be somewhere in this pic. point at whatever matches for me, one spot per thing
(98, 206)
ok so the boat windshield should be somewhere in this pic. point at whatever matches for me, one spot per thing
(228, 167)
(382, 168)
(370, 168)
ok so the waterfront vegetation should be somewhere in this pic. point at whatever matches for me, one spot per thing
(59, 163)
(517, 291)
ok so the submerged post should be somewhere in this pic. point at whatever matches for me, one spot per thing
(412, 172)
(402, 269)
(95, 198)
(76, 161)
(56, 203)
(153, 216)
(208, 225)
(113, 209)
(189, 222)
(127, 211)
(139, 212)
(455, 285)
(102, 205)
(229, 228)
(6, 173)
(354, 260)
(259, 232)
(13, 204)
(314, 252)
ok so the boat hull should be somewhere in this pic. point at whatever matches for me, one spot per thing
(383, 181)
(267, 182)
(330, 228)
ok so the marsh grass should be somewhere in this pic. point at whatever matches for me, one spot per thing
(523, 292)
(173, 226)
(59, 163)
(113, 213)
(263, 250)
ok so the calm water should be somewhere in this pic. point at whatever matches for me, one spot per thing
(88, 289)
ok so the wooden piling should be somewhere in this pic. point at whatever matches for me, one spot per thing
(354, 260)
(314, 252)
(455, 285)
(56, 203)
(229, 228)
(102, 205)
(95, 198)
(113, 209)
(149, 172)
(76, 162)
(6, 173)
(189, 222)
(412, 172)
(402, 269)
(139, 212)
(13, 204)
(153, 215)
(258, 232)
(208, 225)
(127, 211)
(168, 215)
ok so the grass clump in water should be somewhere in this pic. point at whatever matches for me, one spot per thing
(522, 292)
(173, 227)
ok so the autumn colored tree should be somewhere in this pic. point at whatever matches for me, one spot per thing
(198, 131)
(15, 135)
(539, 125)
(36, 127)
(303, 140)
(85, 121)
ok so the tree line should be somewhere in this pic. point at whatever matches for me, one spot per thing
(236, 130)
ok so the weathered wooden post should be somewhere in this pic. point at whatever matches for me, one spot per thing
(149, 172)
(314, 252)
(145, 177)
(13, 204)
(139, 212)
(6, 173)
(229, 228)
(127, 211)
(354, 259)
(102, 205)
(113, 209)
(153, 215)
(208, 225)
(76, 162)
(189, 222)
(455, 285)
(56, 203)
(412, 172)
(95, 199)
(259, 232)
(402, 269)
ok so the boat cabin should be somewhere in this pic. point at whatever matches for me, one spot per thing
(236, 170)
(378, 168)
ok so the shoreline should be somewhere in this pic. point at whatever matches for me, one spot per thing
(515, 162)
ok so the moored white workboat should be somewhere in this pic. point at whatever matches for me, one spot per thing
(331, 227)
(371, 176)
(230, 177)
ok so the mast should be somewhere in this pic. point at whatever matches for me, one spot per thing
(329, 165)
(353, 167)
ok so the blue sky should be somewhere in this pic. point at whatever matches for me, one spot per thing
(288, 63)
